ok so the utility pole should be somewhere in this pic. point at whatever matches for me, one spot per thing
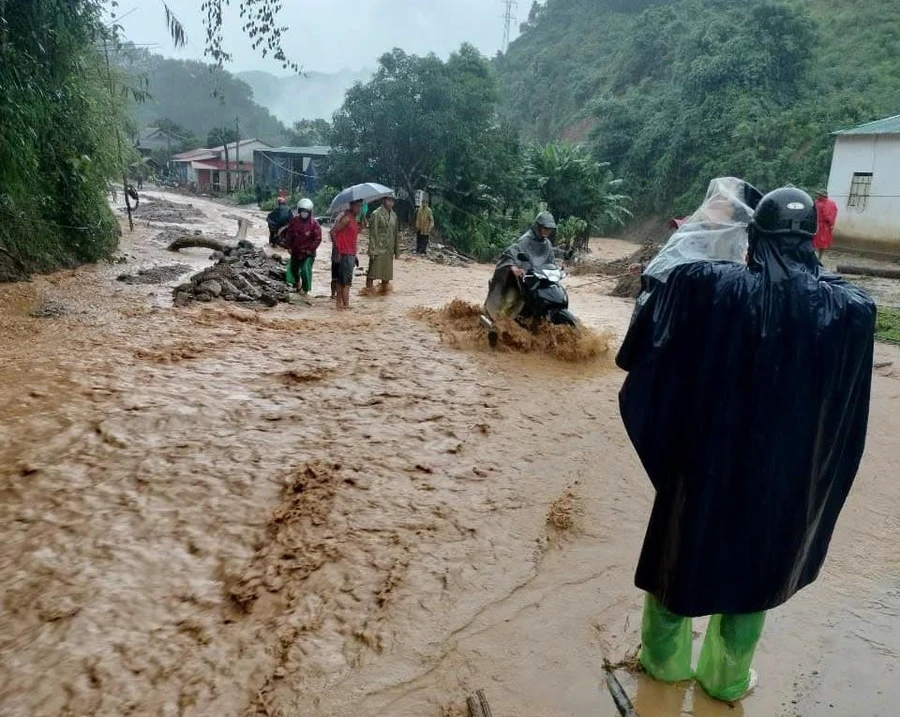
(237, 151)
(509, 17)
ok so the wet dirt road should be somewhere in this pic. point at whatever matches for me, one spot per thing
(219, 511)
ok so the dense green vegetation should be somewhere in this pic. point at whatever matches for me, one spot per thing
(674, 92)
(887, 327)
(63, 122)
(423, 123)
(58, 125)
(197, 96)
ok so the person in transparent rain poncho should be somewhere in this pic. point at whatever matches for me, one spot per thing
(717, 231)
(747, 396)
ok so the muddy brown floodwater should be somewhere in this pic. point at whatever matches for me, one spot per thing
(220, 511)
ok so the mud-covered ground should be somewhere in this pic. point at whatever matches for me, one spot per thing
(299, 511)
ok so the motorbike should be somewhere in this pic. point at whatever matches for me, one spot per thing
(538, 296)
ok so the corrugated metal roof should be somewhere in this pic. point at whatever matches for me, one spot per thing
(889, 125)
(232, 145)
(316, 151)
(194, 154)
(220, 164)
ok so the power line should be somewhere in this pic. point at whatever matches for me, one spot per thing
(509, 17)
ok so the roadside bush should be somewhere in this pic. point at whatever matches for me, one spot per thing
(58, 148)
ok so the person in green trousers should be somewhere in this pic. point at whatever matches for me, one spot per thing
(747, 401)
(304, 235)
(724, 667)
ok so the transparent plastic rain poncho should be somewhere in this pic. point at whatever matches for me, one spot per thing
(717, 231)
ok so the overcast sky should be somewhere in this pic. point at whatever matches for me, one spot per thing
(329, 35)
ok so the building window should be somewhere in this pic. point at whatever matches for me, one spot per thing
(859, 190)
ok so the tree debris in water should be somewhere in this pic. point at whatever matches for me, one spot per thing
(156, 274)
(162, 210)
(627, 285)
(49, 309)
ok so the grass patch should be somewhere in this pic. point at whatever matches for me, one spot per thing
(887, 326)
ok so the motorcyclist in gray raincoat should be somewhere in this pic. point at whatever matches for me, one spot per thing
(503, 294)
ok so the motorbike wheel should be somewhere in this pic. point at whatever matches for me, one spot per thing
(493, 334)
(564, 317)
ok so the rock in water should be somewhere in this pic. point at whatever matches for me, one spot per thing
(211, 287)
(244, 274)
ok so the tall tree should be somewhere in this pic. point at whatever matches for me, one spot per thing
(60, 116)
(391, 128)
(573, 184)
(308, 133)
(420, 122)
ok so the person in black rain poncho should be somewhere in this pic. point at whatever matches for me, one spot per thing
(277, 220)
(747, 400)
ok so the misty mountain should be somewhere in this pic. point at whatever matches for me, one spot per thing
(293, 97)
(196, 96)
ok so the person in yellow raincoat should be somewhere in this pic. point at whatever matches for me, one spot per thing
(424, 227)
(384, 244)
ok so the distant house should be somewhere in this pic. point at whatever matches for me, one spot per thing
(204, 169)
(865, 184)
(290, 168)
(151, 139)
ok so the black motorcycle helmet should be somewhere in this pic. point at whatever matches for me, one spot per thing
(786, 211)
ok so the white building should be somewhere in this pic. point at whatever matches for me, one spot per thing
(865, 184)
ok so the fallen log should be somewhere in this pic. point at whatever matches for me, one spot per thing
(623, 704)
(868, 271)
(478, 705)
(190, 242)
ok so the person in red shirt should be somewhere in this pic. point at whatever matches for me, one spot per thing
(826, 211)
(345, 244)
(304, 235)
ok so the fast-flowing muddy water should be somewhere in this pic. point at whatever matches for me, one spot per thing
(299, 511)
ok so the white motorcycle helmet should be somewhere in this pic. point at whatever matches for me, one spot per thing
(305, 208)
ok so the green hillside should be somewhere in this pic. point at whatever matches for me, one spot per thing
(673, 92)
(197, 96)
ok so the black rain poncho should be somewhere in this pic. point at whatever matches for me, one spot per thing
(279, 217)
(747, 401)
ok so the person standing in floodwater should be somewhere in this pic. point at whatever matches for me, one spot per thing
(827, 212)
(384, 244)
(345, 245)
(303, 237)
(747, 401)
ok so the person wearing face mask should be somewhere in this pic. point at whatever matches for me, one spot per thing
(304, 235)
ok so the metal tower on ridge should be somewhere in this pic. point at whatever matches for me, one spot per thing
(508, 17)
